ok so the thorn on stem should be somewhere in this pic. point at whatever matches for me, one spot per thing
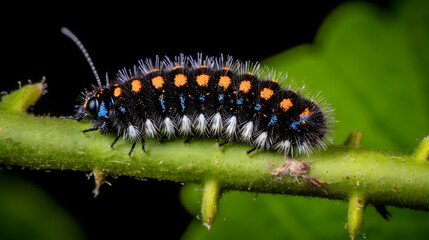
(381, 209)
(355, 213)
(354, 139)
(421, 154)
(211, 194)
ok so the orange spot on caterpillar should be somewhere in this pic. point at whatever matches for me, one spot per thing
(203, 80)
(153, 70)
(267, 93)
(118, 91)
(305, 113)
(286, 104)
(136, 85)
(245, 86)
(180, 80)
(100, 92)
(158, 82)
(224, 82)
(177, 67)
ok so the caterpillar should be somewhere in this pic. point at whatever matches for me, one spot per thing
(214, 97)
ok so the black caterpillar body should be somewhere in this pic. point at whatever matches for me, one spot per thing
(205, 97)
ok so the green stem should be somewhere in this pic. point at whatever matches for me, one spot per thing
(51, 143)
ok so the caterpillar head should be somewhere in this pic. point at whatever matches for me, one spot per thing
(92, 107)
(96, 105)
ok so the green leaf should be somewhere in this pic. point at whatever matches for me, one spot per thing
(371, 66)
(367, 65)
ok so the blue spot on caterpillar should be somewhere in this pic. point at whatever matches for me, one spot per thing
(220, 97)
(272, 120)
(161, 100)
(122, 109)
(295, 123)
(208, 97)
(182, 102)
(102, 111)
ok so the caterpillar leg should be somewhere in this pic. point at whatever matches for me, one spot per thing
(163, 138)
(94, 128)
(188, 139)
(90, 129)
(132, 149)
(227, 141)
(114, 141)
(143, 145)
(251, 150)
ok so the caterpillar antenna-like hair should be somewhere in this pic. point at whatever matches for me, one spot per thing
(73, 37)
(107, 79)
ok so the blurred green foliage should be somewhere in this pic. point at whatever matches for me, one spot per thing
(28, 212)
(371, 66)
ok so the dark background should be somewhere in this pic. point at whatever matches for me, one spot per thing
(118, 36)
